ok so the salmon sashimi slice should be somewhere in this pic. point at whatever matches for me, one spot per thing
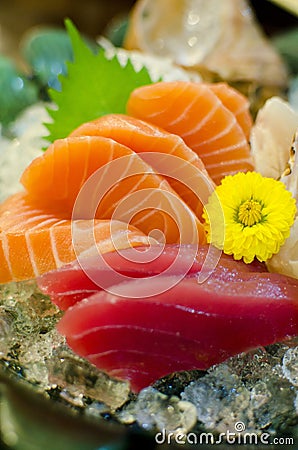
(80, 279)
(33, 241)
(237, 103)
(151, 142)
(197, 114)
(133, 338)
(120, 186)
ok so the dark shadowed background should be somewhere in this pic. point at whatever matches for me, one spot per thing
(93, 16)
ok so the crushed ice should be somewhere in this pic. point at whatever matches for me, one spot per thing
(258, 389)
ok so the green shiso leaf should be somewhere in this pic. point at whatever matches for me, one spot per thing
(94, 86)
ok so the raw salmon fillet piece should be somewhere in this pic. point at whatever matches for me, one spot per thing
(167, 153)
(206, 119)
(34, 241)
(236, 102)
(120, 186)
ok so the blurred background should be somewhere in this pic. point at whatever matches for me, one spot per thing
(90, 16)
(31, 58)
(93, 17)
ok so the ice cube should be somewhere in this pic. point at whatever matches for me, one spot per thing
(78, 377)
(250, 388)
(154, 410)
(6, 321)
(290, 365)
(220, 398)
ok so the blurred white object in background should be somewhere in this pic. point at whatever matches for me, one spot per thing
(17, 153)
(158, 67)
(222, 37)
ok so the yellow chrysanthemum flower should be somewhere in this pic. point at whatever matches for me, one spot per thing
(249, 216)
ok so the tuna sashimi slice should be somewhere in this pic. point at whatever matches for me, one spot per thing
(82, 278)
(189, 326)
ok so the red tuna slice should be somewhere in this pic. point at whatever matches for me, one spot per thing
(83, 278)
(189, 326)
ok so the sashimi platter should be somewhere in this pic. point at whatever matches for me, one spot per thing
(149, 236)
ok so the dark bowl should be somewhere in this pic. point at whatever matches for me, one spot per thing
(31, 421)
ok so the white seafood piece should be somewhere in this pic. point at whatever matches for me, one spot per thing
(290, 176)
(286, 261)
(272, 136)
(217, 36)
